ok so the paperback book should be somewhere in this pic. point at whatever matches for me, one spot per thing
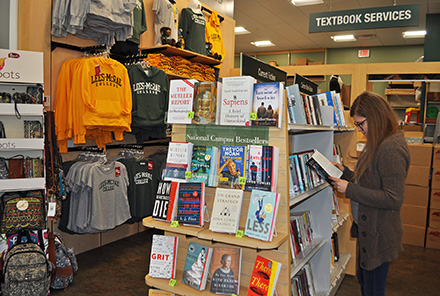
(178, 161)
(205, 103)
(262, 213)
(232, 166)
(163, 256)
(268, 104)
(225, 271)
(191, 203)
(195, 271)
(236, 100)
(264, 277)
(226, 210)
(296, 105)
(164, 200)
(204, 165)
(180, 101)
(262, 168)
(323, 166)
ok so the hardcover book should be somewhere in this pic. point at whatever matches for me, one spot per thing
(178, 161)
(204, 165)
(264, 277)
(181, 100)
(296, 105)
(225, 271)
(262, 213)
(195, 271)
(163, 256)
(166, 191)
(262, 168)
(232, 166)
(190, 204)
(268, 103)
(236, 100)
(323, 166)
(226, 210)
(205, 103)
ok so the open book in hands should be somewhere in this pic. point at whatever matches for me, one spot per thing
(323, 166)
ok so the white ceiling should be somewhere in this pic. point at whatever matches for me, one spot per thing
(287, 26)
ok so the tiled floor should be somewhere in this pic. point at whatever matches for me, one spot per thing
(120, 268)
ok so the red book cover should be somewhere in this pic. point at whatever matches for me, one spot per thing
(171, 205)
(264, 277)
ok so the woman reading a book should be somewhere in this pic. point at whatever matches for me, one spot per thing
(375, 189)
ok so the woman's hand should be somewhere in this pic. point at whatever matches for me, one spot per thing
(339, 184)
(338, 165)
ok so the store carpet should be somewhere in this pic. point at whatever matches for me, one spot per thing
(119, 269)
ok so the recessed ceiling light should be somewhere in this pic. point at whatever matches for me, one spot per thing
(306, 2)
(343, 38)
(414, 34)
(241, 30)
(264, 43)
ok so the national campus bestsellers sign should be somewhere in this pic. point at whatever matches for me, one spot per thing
(367, 18)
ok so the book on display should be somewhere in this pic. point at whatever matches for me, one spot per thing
(196, 269)
(225, 271)
(178, 161)
(191, 204)
(262, 168)
(163, 256)
(267, 104)
(232, 166)
(180, 101)
(204, 165)
(226, 210)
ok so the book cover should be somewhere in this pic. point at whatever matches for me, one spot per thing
(264, 277)
(162, 200)
(294, 97)
(180, 101)
(312, 109)
(340, 108)
(204, 165)
(225, 271)
(298, 173)
(236, 100)
(330, 102)
(163, 256)
(306, 109)
(232, 166)
(317, 107)
(268, 103)
(226, 210)
(261, 216)
(323, 166)
(295, 188)
(262, 168)
(205, 103)
(178, 161)
(190, 204)
(195, 271)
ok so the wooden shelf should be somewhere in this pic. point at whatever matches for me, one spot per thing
(166, 226)
(169, 50)
(300, 128)
(400, 91)
(300, 197)
(22, 184)
(305, 256)
(338, 272)
(341, 220)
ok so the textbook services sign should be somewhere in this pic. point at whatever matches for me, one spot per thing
(367, 18)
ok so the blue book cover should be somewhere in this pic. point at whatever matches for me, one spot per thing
(204, 165)
(262, 168)
(268, 104)
(296, 103)
(232, 166)
(263, 209)
(329, 97)
(196, 267)
(190, 203)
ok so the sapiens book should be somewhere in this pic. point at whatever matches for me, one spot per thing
(262, 213)
(296, 105)
(196, 269)
(236, 100)
(232, 166)
(225, 271)
(267, 103)
(323, 166)
(164, 200)
(180, 101)
(178, 161)
(204, 165)
(262, 168)
(191, 203)
(264, 277)
(205, 103)
(226, 210)
(163, 256)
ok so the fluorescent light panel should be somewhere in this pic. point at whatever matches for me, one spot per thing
(241, 30)
(264, 43)
(343, 38)
(414, 34)
(306, 2)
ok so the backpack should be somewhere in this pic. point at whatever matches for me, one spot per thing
(63, 260)
(26, 270)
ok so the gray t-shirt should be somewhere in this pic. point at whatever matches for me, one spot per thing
(167, 15)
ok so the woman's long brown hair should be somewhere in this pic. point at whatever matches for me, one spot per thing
(382, 123)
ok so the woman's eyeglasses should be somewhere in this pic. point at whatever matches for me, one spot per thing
(360, 124)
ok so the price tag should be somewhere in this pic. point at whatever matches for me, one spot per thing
(233, 294)
(253, 116)
(240, 233)
(188, 174)
(172, 282)
(242, 181)
(174, 223)
(190, 115)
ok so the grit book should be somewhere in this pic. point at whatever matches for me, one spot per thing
(204, 165)
(191, 204)
(225, 271)
(180, 101)
(164, 200)
(323, 166)
(262, 213)
(163, 256)
(205, 103)
(236, 100)
(195, 271)
(178, 161)
(226, 210)
(268, 104)
(262, 167)
(264, 277)
(232, 166)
